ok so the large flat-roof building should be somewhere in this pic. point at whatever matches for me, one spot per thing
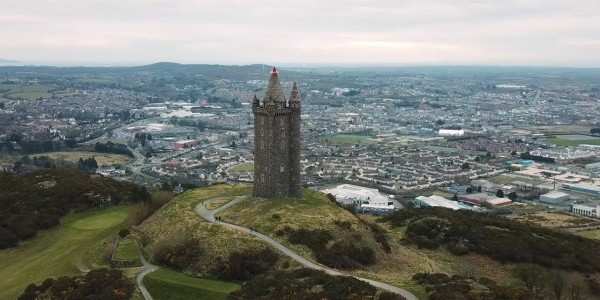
(588, 211)
(554, 197)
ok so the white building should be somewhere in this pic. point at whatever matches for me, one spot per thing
(437, 201)
(352, 194)
(554, 197)
(451, 132)
(587, 211)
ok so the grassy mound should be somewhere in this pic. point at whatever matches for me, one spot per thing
(179, 218)
(172, 285)
(313, 226)
(57, 252)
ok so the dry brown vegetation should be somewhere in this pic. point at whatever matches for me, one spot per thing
(557, 220)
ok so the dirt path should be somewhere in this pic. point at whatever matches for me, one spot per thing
(147, 268)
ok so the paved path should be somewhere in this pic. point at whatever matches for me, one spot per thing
(210, 216)
(147, 268)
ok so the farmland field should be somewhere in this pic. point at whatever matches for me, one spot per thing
(31, 92)
(101, 158)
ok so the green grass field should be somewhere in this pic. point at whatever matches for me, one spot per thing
(565, 142)
(57, 252)
(171, 285)
(244, 168)
(127, 250)
(590, 234)
(347, 139)
(31, 92)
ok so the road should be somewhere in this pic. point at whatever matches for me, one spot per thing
(210, 216)
(147, 268)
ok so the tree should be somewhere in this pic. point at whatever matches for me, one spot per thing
(500, 193)
(488, 155)
(514, 153)
(532, 276)
(558, 285)
(455, 197)
(512, 196)
(465, 166)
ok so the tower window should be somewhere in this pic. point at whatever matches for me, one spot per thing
(281, 167)
(262, 177)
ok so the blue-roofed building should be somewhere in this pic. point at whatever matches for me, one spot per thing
(582, 188)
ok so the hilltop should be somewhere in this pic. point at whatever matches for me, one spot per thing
(383, 249)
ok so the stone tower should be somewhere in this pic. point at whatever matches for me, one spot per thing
(277, 142)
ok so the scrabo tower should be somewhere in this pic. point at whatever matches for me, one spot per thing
(277, 142)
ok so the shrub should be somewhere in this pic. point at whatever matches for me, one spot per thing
(138, 213)
(245, 265)
(97, 284)
(305, 284)
(124, 232)
(181, 252)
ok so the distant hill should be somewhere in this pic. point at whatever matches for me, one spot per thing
(161, 67)
(4, 61)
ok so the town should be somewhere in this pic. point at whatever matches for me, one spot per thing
(412, 133)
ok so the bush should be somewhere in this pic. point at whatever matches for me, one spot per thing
(245, 265)
(385, 295)
(124, 232)
(181, 252)
(97, 284)
(138, 213)
(305, 284)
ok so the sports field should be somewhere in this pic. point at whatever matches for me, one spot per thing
(243, 168)
(171, 285)
(346, 139)
(574, 140)
(57, 252)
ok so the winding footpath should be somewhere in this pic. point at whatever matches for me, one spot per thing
(147, 268)
(209, 215)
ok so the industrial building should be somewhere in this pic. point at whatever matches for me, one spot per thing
(451, 132)
(582, 188)
(554, 197)
(367, 199)
(437, 201)
(587, 211)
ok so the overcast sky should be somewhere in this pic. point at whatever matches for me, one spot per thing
(290, 32)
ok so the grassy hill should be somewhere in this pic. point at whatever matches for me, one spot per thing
(178, 218)
(323, 232)
(58, 251)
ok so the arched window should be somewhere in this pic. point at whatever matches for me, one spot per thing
(281, 167)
